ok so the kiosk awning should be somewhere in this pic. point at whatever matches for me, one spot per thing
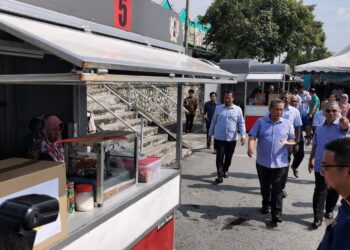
(265, 77)
(92, 51)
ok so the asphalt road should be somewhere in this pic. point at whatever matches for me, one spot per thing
(227, 216)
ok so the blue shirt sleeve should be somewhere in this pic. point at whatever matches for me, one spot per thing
(213, 123)
(205, 108)
(297, 120)
(305, 119)
(241, 123)
(291, 132)
(254, 132)
(314, 139)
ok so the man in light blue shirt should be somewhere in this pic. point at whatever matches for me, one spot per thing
(227, 121)
(273, 133)
(293, 115)
(333, 128)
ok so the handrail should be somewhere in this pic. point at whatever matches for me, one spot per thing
(111, 112)
(164, 94)
(155, 104)
(126, 102)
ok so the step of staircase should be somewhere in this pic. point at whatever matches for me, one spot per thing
(106, 117)
(170, 158)
(118, 125)
(96, 89)
(161, 149)
(96, 108)
(153, 140)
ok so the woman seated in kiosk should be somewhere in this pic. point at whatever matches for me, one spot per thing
(45, 132)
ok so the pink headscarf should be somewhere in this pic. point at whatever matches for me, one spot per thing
(55, 150)
(52, 123)
(344, 105)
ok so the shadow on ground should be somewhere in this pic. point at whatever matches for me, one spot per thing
(241, 216)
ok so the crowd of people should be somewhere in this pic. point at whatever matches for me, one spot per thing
(294, 120)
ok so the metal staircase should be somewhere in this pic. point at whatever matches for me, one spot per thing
(113, 112)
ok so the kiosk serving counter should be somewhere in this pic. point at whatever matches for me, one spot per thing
(48, 59)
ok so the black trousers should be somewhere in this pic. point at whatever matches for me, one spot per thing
(272, 182)
(207, 123)
(224, 153)
(189, 122)
(298, 156)
(322, 196)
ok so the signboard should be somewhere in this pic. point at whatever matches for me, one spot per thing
(122, 14)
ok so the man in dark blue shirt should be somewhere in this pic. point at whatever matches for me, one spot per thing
(335, 168)
(208, 112)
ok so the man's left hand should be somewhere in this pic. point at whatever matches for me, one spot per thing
(242, 140)
(344, 123)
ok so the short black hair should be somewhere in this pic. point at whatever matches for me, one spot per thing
(275, 102)
(341, 149)
(300, 86)
(212, 93)
(227, 92)
(191, 91)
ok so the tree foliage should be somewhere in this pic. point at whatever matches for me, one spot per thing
(265, 29)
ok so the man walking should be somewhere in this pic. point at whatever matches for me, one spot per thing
(314, 104)
(208, 112)
(333, 128)
(305, 98)
(190, 104)
(335, 168)
(273, 133)
(293, 116)
(299, 155)
(227, 121)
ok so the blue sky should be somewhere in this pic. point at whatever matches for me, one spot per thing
(335, 15)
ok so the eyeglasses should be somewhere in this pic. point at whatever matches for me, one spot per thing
(324, 166)
(331, 110)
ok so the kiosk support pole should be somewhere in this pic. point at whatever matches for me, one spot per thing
(179, 126)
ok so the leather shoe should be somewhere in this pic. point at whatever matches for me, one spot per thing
(276, 218)
(226, 175)
(285, 194)
(328, 215)
(265, 210)
(316, 224)
(295, 173)
(219, 180)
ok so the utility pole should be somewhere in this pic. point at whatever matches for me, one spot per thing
(186, 26)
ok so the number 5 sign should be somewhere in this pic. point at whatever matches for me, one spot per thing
(122, 14)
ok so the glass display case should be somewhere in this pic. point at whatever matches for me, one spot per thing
(103, 160)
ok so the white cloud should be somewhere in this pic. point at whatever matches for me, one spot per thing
(343, 13)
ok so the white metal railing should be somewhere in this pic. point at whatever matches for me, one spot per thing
(167, 96)
(131, 106)
(152, 102)
(112, 113)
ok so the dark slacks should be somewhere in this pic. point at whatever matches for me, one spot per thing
(322, 196)
(189, 122)
(224, 153)
(272, 182)
(207, 123)
(298, 156)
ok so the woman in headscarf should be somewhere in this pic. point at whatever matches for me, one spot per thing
(344, 105)
(49, 148)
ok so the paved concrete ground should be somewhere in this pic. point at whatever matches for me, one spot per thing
(227, 216)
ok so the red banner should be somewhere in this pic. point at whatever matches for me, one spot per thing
(122, 14)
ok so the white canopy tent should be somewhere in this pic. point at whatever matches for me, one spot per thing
(338, 63)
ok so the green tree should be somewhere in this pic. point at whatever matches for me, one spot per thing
(264, 29)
